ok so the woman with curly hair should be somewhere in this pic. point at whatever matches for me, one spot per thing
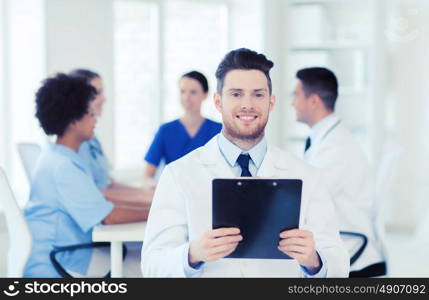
(65, 204)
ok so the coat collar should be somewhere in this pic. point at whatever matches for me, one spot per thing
(211, 157)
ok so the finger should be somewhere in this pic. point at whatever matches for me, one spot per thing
(224, 240)
(295, 249)
(296, 233)
(298, 257)
(221, 254)
(296, 241)
(215, 233)
(230, 251)
(222, 249)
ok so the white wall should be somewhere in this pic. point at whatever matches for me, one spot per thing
(407, 103)
(79, 33)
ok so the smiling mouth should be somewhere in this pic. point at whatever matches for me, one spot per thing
(246, 118)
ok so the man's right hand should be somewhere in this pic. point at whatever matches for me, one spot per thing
(214, 244)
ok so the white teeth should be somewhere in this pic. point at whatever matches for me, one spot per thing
(247, 117)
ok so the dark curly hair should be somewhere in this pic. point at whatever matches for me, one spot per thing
(243, 59)
(84, 73)
(62, 100)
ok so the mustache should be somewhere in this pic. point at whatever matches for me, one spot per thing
(247, 111)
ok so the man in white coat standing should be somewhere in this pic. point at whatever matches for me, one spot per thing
(331, 147)
(179, 239)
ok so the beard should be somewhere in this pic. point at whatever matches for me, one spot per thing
(236, 133)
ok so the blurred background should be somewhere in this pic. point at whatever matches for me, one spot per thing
(377, 48)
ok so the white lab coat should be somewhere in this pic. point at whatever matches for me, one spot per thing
(350, 182)
(182, 211)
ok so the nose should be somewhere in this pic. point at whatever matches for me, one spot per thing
(247, 102)
(186, 96)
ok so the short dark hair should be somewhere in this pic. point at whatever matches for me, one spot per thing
(198, 77)
(322, 82)
(62, 100)
(84, 73)
(243, 59)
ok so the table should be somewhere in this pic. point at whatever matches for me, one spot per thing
(116, 234)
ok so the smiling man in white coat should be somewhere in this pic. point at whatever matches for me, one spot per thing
(179, 239)
(332, 148)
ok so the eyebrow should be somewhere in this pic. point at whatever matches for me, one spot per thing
(240, 90)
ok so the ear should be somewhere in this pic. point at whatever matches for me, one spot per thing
(72, 125)
(217, 99)
(272, 102)
(315, 100)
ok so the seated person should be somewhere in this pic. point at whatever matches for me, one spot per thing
(179, 137)
(65, 204)
(92, 152)
(332, 147)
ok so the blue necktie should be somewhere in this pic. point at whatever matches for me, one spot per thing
(243, 161)
(307, 144)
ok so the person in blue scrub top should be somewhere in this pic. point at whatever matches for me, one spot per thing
(179, 137)
(65, 204)
(92, 152)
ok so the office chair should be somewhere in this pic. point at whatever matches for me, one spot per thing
(20, 240)
(29, 153)
(57, 250)
(384, 181)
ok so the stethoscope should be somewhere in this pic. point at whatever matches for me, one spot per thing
(330, 130)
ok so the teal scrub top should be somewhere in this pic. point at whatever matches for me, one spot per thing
(63, 208)
(92, 152)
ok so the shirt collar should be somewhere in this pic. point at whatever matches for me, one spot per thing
(231, 151)
(68, 152)
(319, 130)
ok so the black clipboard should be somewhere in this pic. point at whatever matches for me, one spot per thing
(261, 208)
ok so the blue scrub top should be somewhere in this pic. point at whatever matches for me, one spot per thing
(63, 208)
(172, 141)
(92, 152)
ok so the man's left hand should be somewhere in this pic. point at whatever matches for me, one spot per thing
(300, 245)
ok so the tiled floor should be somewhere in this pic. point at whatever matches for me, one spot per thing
(408, 255)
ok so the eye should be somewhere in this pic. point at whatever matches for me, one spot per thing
(259, 95)
(235, 94)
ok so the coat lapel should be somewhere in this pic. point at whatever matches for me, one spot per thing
(212, 159)
(273, 163)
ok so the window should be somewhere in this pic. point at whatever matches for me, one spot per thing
(2, 87)
(196, 38)
(136, 35)
(24, 52)
(155, 43)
